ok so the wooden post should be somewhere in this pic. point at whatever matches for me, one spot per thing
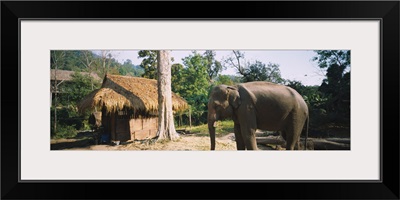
(190, 119)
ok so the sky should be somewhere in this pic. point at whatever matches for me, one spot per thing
(293, 64)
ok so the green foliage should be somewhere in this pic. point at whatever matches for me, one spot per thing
(85, 61)
(195, 85)
(177, 78)
(56, 59)
(326, 58)
(258, 71)
(68, 118)
(65, 131)
(75, 90)
(335, 88)
(253, 71)
(149, 63)
(191, 81)
(71, 92)
(129, 69)
(214, 67)
(315, 101)
(224, 79)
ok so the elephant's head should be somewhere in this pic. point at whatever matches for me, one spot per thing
(221, 104)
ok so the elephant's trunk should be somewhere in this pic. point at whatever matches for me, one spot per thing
(211, 120)
(211, 129)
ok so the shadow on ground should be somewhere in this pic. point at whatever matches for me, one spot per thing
(81, 140)
(75, 144)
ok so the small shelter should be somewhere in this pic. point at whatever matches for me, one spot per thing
(129, 106)
(58, 76)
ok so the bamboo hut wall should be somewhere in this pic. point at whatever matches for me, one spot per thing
(122, 129)
(143, 128)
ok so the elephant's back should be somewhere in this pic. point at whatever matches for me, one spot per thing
(268, 90)
(274, 102)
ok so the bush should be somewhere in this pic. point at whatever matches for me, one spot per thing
(64, 131)
(67, 117)
(86, 125)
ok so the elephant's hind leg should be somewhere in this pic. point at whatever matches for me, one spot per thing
(292, 143)
(292, 138)
(293, 127)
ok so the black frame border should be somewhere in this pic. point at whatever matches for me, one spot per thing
(386, 11)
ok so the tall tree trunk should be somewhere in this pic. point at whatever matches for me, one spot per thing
(166, 127)
(55, 101)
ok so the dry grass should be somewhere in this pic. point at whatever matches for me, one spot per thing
(127, 92)
(184, 143)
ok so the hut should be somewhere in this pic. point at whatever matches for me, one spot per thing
(129, 107)
(58, 76)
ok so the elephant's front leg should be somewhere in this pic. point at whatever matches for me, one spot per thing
(248, 131)
(248, 125)
(249, 138)
(238, 137)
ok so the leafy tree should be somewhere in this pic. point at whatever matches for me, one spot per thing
(70, 60)
(336, 85)
(195, 85)
(177, 79)
(88, 60)
(76, 89)
(129, 69)
(66, 116)
(326, 58)
(224, 79)
(214, 67)
(256, 71)
(311, 94)
(315, 100)
(149, 63)
(237, 61)
(57, 59)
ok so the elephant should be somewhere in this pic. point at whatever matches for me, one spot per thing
(258, 105)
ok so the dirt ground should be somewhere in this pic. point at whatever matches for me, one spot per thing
(189, 142)
(200, 141)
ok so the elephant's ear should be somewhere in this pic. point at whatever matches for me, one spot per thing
(234, 97)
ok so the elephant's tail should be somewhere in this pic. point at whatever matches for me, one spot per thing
(305, 141)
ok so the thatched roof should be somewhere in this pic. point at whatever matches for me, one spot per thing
(65, 75)
(131, 93)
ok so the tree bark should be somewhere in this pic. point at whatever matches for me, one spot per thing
(166, 127)
(55, 101)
